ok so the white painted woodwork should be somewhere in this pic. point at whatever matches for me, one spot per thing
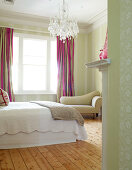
(102, 65)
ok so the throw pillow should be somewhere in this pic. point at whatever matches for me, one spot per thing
(4, 98)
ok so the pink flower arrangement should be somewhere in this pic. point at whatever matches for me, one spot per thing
(104, 51)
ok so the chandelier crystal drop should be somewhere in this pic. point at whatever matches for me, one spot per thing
(63, 26)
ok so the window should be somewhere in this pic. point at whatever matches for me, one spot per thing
(34, 64)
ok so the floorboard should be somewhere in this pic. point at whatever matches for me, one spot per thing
(5, 160)
(17, 160)
(42, 162)
(81, 155)
(29, 160)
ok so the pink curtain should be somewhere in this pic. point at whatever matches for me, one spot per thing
(6, 57)
(65, 63)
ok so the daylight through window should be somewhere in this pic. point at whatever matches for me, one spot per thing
(34, 64)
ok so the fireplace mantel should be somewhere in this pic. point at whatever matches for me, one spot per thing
(100, 64)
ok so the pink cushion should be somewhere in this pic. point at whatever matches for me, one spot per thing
(4, 98)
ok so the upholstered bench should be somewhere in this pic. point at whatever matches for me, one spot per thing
(90, 103)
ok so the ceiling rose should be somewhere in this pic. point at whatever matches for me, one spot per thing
(63, 26)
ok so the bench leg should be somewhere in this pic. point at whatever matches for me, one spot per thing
(94, 115)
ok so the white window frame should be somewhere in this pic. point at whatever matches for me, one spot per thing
(20, 64)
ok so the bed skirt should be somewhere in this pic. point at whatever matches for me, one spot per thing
(22, 140)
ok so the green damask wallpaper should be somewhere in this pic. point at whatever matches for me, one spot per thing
(118, 154)
(125, 131)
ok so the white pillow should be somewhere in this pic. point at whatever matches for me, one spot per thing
(4, 98)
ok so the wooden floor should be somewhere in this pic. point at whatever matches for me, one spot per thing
(72, 156)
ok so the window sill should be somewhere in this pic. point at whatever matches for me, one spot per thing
(37, 93)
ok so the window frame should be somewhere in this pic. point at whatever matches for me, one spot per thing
(20, 64)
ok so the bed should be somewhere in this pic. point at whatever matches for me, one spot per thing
(25, 124)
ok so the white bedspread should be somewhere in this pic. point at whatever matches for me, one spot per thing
(29, 117)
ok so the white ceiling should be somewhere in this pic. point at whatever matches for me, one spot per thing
(82, 10)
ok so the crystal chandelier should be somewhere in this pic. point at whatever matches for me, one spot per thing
(63, 26)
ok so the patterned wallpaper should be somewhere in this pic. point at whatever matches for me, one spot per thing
(125, 146)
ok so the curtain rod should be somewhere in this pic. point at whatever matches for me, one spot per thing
(25, 29)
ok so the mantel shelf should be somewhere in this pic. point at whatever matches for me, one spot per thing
(100, 64)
